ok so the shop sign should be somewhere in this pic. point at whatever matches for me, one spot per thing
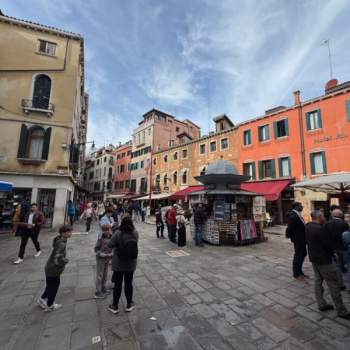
(330, 138)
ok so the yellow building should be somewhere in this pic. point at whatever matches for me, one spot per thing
(175, 168)
(43, 113)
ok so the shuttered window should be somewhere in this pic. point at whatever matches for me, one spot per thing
(264, 133)
(280, 128)
(284, 167)
(247, 137)
(313, 120)
(42, 91)
(249, 170)
(318, 163)
(347, 107)
(267, 169)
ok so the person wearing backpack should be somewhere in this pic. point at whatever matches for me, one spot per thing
(125, 251)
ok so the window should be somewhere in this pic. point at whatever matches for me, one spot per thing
(202, 172)
(202, 148)
(142, 164)
(34, 143)
(133, 185)
(41, 92)
(177, 129)
(129, 153)
(127, 184)
(284, 167)
(165, 180)
(264, 133)
(116, 185)
(175, 178)
(175, 156)
(98, 162)
(118, 156)
(184, 177)
(155, 161)
(91, 175)
(47, 48)
(122, 168)
(267, 169)
(212, 146)
(313, 120)
(123, 154)
(280, 128)
(121, 184)
(249, 170)
(165, 158)
(224, 143)
(149, 131)
(347, 107)
(104, 171)
(184, 153)
(318, 163)
(247, 137)
(157, 182)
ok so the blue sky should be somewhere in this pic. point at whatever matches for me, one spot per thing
(197, 58)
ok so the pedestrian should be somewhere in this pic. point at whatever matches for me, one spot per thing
(199, 219)
(71, 212)
(136, 212)
(77, 211)
(321, 249)
(125, 251)
(296, 233)
(143, 212)
(346, 247)
(335, 228)
(159, 222)
(181, 228)
(88, 214)
(29, 227)
(171, 223)
(106, 219)
(103, 257)
(54, 269)
(100, 209)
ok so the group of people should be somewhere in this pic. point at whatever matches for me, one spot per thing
(327, 242)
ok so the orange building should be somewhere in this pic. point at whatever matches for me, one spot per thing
(175, 168)
(122, 168)
(289, 144)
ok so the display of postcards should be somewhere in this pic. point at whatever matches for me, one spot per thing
(243, 199)
(258, 210)
(259, 201)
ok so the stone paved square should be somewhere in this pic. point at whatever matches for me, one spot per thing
(214, 298)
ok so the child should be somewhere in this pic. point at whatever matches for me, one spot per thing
(54, 268)
(103, 257)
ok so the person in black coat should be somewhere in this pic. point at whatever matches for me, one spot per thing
(296, 232)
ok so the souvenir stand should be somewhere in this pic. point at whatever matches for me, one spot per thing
(234, 217)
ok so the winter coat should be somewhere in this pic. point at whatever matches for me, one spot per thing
(71, 209)
(102, 250)
(57, 260)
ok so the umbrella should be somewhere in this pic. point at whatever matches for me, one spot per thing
(5, 186)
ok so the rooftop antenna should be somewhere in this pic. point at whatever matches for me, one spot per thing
(326, 43)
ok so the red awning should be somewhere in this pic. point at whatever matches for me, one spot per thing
(270, 189)
(181, 195)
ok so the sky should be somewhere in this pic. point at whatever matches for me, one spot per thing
(197, 59)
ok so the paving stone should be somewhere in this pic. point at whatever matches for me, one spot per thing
(55, 338)
(83, 332)
(205, 310)
(192, 299)
(333, 327)
(308, 313)
(275, 333)
(281, 300)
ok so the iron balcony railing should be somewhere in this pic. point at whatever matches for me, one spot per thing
(37, 105)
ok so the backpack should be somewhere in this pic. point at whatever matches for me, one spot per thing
(128, 248)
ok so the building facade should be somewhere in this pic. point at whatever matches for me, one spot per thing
(157, 131)
(122, 168)
(175, 168)
(99, 172)
(43, 114)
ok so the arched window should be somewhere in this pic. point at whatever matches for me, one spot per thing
(175, 156)
(165, 180)
(165, 158)
(41, 92)
(184, 177)
(110, 172)
(35, 143)
(175, 178)
(157, 180)
(202, 171)
(109, 185)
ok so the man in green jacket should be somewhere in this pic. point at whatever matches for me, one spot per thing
(54, 268)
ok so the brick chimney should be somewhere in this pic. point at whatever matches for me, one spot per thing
(296, 97)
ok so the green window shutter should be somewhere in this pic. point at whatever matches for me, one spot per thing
(280, 172)
(249, 137)
(273, 166)
(324, 162)
(312, 163)
(253, 171)
(23, 139)
(319, 119)
(261, 173)
(46, 145)
(267, 132)
(287, 126)
(259, 134)
(275, 130)
(289, 167)
(308, 124)
(347, 107)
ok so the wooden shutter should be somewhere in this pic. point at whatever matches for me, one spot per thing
(259, 134)
(312, 163)
(273, 166)
(267, 132)
(23, 140)
(280, 169)
(289, 167)
(46, 146)
(347, 107)
(319, 119)
(253, 171)
(286, 126)
(324, 162)
(275, 130)
(308, 124)
(261, 170)
(250, 136)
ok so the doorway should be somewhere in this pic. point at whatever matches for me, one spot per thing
(46, 202)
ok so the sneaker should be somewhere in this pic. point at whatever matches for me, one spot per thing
(113, 309)
(99, 296)
(53, 307)
(130, 307)
(37, 254)
(18, 261)
(42, 303)
(107, 291)
(326, 307)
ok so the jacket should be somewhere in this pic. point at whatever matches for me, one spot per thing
(57, 260)
(335, 228)
(102, 250)
(171, 216)
(295, 228)
(71, 209)
(159, 218)
(38, 221)
(117, 264)
(319, 244)
(199, 216)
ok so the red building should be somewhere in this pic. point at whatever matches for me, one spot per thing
(122, 168)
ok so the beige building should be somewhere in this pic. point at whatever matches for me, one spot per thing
(43, 113)
(157, 131)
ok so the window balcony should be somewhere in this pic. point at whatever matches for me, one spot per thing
(37, 106)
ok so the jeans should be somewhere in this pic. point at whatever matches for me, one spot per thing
(52, 284)
(27, 233)
(88, 224)
(71, 220)
(328, 273)
(101, 274)
(299, 257)
(172, 232)
(118, 277)
(198, 234)
(160, 228)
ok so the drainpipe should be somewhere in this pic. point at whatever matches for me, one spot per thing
(297, 103)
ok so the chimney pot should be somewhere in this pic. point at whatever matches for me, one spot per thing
(296, 97)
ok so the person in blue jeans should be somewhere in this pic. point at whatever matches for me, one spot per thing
(199, 218)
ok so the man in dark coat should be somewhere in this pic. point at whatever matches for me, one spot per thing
(199, 218)
(296, 232)
(321, 249)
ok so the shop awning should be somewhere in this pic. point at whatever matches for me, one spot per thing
(182, 194)
(156, 196)
(115, 196)
(270, 189)
(5, 186)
